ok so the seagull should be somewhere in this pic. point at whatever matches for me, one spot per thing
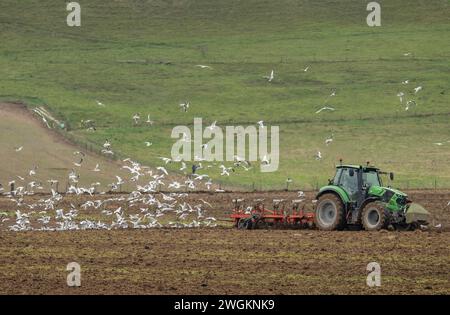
(407, 54)
(261, 124)
(325, 108)
(185, 106)
(270, 77)
(401, 94)
(81, 158)
(100, 103)
(18, 149)
(107, 145)
(224, 171)
(136, 118)
(119, 180)
(438, 143)
(147, 144)
(33, 171)
(318, 156)
(149, 121)
(265, 160)
(213, 125)
(409, 104)
(417, 89)
(329, 140)
(162, 169)
(97, 168)
(203, 67)
(107, 152)
(183, 166)
(306, 69)
(166, 160)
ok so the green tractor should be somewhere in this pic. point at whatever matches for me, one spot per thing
(356, 197)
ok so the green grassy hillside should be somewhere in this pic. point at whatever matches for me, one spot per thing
(141, 56)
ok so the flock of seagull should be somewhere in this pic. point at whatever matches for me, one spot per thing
(145, 207)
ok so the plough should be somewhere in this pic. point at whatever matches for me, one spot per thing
(258, 216)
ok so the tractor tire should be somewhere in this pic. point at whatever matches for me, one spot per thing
(373, 216)
(330, 213)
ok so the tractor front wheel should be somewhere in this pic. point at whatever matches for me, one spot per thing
(374, 216)
(330, 213)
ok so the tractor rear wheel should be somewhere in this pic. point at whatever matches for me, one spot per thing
(330, 213)
(374, 216)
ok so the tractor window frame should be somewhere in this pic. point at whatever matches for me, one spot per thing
(337, 177)
(380, 182)
(346, 172)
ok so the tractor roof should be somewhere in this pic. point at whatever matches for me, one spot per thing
(358, 166)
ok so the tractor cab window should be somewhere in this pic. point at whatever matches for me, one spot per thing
(337, 176)
(349, 182)
(371, 178)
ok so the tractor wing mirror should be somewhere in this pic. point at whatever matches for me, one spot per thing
(391, 176)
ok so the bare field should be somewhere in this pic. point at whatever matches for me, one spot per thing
(227, 261)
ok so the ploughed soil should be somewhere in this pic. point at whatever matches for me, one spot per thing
(224, 260)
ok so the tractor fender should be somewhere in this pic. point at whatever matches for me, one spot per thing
(341, 193)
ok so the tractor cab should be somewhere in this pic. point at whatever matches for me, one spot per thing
(356, 181)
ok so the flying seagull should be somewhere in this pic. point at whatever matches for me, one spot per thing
(325, 108)
(409, 104)
(185, 106)
(149, 121)
(318, 155)
(270, 77)
(203, 67)
(136, 118)
(213, 125)
(329, 140)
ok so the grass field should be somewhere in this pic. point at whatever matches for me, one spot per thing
(141, 56)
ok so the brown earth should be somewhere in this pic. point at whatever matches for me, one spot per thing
(228, 261)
